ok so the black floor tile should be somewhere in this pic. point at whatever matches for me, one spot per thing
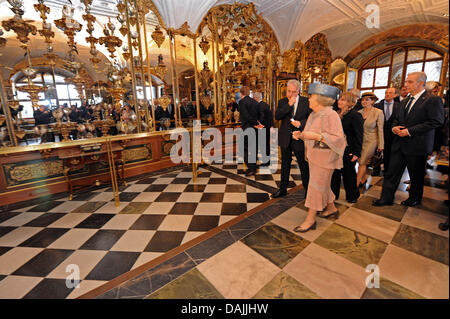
(2, 277)
(85, 196)
(148, 222)
(164, 241)
(171, 175)
(155, 188)
(233, 209)
(204, 174)
(113, 265)
(212, 198)
(195, 189)
(5, 230)
(43, 263)
(121, 188)
(257, 197)
(45, 237)
(168, 197)
(217, 181)
(235, 189)
(229, 166)
(146, 181)
(203, 223)
(264, 177)
(127, 196)
(45, 220)
(296, 177)
(95, 221)
(184, 209)
(45, 207)
(7, 215)
(49, 289)
(103, 240)
(4, 250)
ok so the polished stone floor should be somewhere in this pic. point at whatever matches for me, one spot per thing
(223, 237)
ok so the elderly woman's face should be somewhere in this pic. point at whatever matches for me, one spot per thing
(314, 103)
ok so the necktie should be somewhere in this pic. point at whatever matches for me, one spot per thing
(408, 106)
(388, 111)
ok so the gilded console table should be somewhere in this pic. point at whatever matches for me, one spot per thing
(75, 160)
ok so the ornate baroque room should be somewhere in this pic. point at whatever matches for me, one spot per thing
(100, 99)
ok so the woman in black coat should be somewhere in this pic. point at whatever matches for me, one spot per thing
(352, 123)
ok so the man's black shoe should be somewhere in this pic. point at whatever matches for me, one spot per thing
(444, 226)
(411, 202)
(280, 193)
(352, 201)
(251, 173)
(381, 202)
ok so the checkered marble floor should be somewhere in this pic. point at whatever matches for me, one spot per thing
(155, 215)
(259, 257)
(264, 258)
(268, 175)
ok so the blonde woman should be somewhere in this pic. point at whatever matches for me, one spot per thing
(373, 138)
(324, 146)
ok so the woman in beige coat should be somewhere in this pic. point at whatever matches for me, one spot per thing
(373, 138)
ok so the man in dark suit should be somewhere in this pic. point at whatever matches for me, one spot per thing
(390, 110)
(293, 111)
(265, 117)
(248, 110)
(417, 120)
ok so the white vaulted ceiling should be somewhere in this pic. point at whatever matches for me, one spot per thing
(342, 21)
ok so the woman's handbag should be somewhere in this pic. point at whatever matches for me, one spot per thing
(320, 144)
(376, 160)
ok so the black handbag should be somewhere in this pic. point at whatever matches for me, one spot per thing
(377, 159)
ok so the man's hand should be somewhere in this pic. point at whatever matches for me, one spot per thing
(403, 132)
(396, 130)
(297, 124)
(258, 126)
(354, 158)
(292, 100)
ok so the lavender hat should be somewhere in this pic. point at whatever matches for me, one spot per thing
(323, 89)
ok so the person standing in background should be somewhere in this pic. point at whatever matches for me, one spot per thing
(390, 110)
(265, 117)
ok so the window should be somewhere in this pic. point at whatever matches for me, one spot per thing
(389, 69)
(65, 93)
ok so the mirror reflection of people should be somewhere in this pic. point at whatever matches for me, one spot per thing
(43, 116)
